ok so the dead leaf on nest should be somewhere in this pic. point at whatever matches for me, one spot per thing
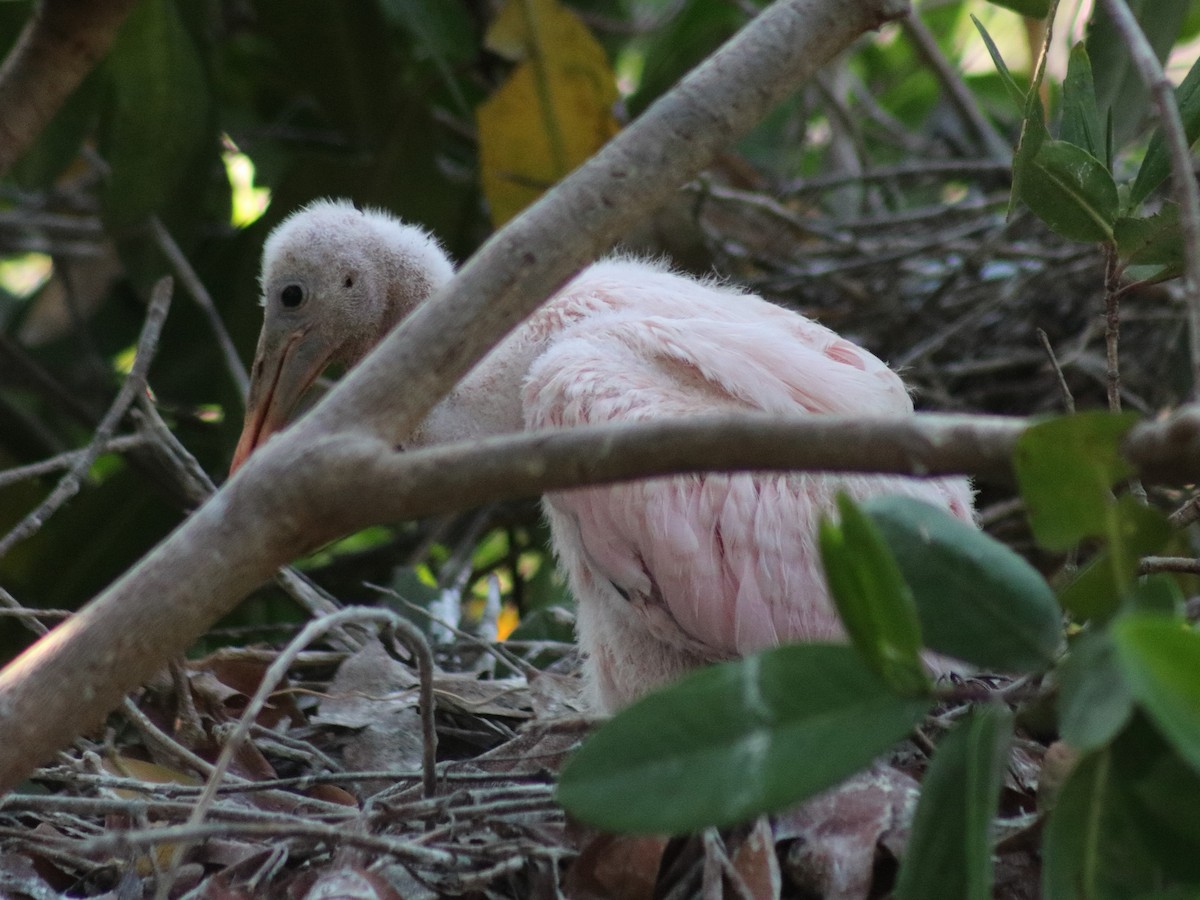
(507, 697)
(755, 861)
(616, 865)
(375, 696)
(837, 832)
(348, 883)
(367, 686)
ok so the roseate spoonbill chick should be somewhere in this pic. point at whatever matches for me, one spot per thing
(669, 573)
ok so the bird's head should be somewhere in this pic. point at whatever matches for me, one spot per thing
(335, 281)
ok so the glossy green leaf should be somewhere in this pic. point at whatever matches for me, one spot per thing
(157, 118)
(1094, 702)
(1036, 9)
(1160, 657)
(1071, 191)
(977, 599)
(443, 31)
(1133, 531)
(1119, 88)
(1161, 794)
(1156, 165)
(1091, 847)
(873, 599)
(1151, 240)
(1081, 123)
(1066, 468)
(1015, 92)
(950, 851)
(735, 740)
(1157, 594)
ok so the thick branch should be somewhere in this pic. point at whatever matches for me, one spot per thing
(264, 516)
(61, 43)
(363, 482)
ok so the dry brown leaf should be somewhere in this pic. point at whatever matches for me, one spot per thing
(616, 865)
(837, 832)
(755, 861)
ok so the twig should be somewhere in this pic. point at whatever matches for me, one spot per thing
(27, 616)
(1112, 326)
(67, 460)
(938, 168)
(59, 45)
(1068, 399)
(956, 89)
(1186, 514)
(185, 835)
(198, 487)
(271, 679)
(1183, 181)
(195, 287)
(1151, 565)
(155, 737)
(407, 634)
(499, 653)
(135, 383)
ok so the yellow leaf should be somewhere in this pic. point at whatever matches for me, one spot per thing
(553, 112)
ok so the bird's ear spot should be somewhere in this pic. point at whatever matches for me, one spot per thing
(291, 296)
(348, 282)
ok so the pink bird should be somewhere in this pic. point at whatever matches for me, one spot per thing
(669, 573)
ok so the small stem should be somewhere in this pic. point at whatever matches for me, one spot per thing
(1112, 325)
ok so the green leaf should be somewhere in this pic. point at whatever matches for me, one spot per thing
(1094, 702)
(950, 851)
(1071, 191)
(1119, 88)
(1161, 795)
(977, 599)
(1065, 469)
(735, 740)
(1151, 241)
(1156, 165)
(1133, 531)
(1035, 9)
(157, 116)
(1157, 594)
(873, 599)
(1015, 91)
(443, 32)
(1091, 847)
(1160, 657)
(1081, 123)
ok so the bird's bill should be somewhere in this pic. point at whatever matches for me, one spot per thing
(285, 366)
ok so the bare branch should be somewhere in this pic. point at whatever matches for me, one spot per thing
(195, 287)
(1183, 181)
(61, 43)
(956, 89)
(135, 383)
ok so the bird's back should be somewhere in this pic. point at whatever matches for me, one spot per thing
(671, 572)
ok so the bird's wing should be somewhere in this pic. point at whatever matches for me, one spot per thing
(716, 564)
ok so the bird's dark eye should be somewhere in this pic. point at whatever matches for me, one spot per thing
(349, 282)
(291, 296)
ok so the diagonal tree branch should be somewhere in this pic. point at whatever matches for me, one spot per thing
(61, 43)
(263, 517)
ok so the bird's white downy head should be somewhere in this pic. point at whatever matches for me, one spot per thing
(335, 279)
